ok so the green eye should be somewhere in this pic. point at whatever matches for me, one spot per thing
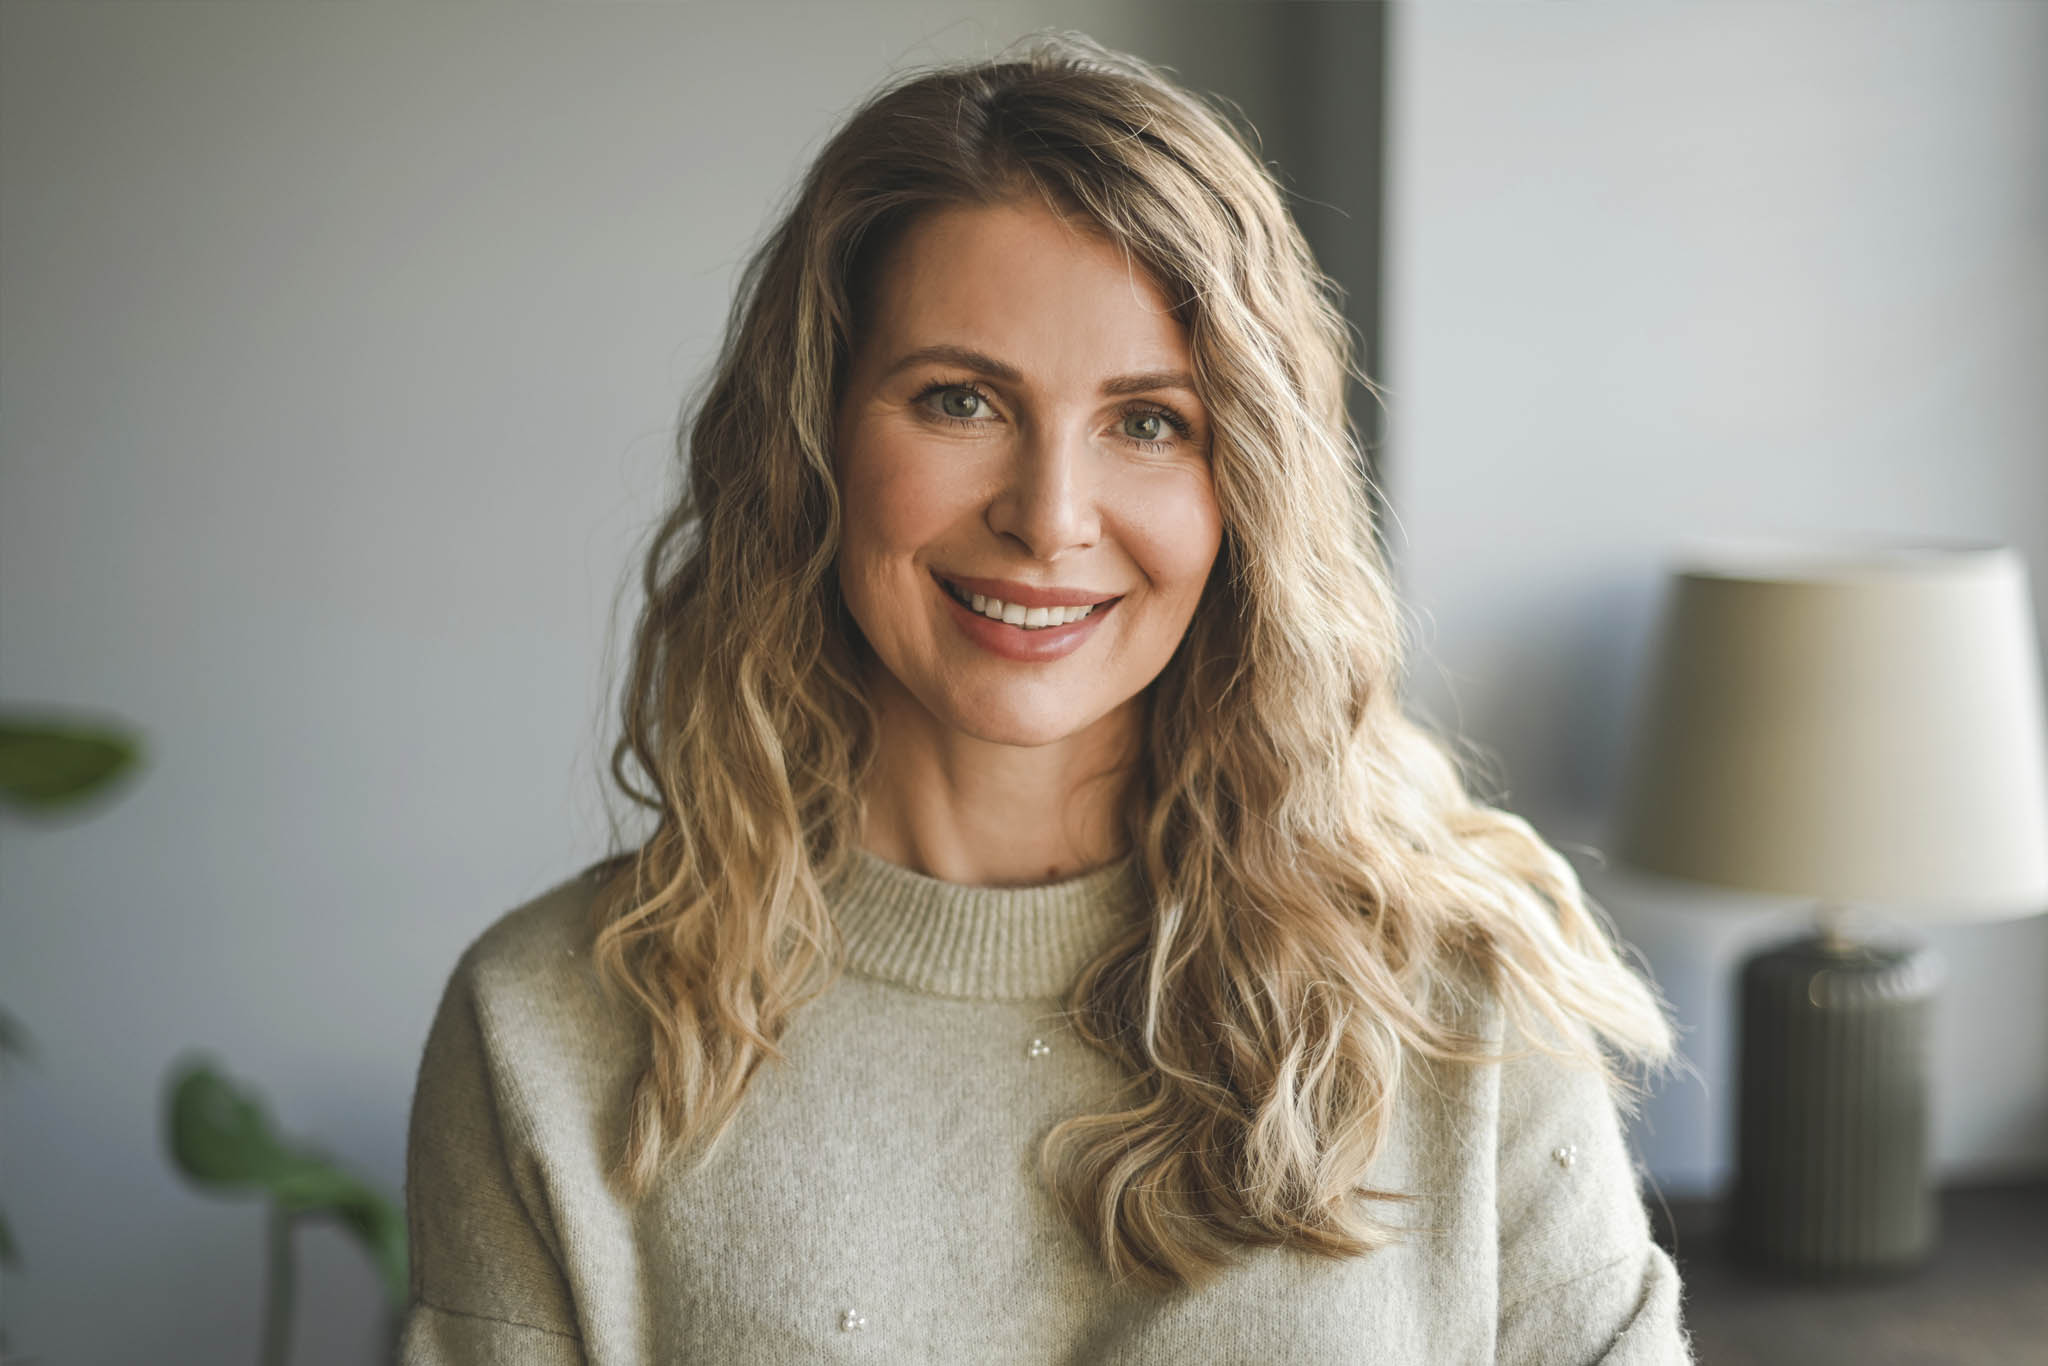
(1155, 419)
(959, 402)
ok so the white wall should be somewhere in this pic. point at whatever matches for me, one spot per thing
(1664, 270)
(342, 348)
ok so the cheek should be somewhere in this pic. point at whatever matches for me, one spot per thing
(1175, 533)
(895, 503)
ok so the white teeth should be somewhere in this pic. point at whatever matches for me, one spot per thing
(1030, 618)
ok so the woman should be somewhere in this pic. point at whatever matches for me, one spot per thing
(1053, 944)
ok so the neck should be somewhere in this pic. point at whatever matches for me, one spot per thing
(965, 809)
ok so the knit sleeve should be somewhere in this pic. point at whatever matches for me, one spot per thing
(487, 1283)
(1581, 1281)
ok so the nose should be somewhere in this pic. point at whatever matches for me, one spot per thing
(1049, 501)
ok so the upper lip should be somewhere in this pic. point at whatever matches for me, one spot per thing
(1023, 594)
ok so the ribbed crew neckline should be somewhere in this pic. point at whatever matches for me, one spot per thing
(979, 943)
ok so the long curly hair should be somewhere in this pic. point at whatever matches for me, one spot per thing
(1326, 896)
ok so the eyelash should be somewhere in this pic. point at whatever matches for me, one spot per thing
(1179, 424)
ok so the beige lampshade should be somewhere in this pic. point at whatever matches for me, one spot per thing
(1857, 721)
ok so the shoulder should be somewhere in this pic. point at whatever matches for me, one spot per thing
(525, 989)
(1542, 1110)
(498, 1083)
(1579, 1277)
(1555, 1083)
(1568, 1190)
(1539, 1076)
(534, 935)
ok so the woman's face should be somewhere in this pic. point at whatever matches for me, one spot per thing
(1019, 422)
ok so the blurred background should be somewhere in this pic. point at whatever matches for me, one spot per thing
(341, 352)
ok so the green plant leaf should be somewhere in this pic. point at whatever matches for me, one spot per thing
(221, 1136)
(48, 765)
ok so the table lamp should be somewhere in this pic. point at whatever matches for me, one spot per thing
(1858, 721)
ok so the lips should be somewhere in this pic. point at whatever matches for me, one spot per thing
(1022, 594)
(1014, 641)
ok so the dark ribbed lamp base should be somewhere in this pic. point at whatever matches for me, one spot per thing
(1831, 1155)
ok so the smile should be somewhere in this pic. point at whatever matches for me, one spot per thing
(1020, 634)
(1016, 614)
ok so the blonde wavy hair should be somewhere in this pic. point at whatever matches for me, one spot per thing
(1326, 897)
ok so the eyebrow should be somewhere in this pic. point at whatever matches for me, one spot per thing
(968, 358)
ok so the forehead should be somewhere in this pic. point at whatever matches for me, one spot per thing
(1016, 280)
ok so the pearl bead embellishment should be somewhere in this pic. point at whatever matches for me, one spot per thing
(1039, 1048)
(852, 1321)
(1565, 1156)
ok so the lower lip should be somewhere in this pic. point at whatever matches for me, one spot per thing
(1014, 642)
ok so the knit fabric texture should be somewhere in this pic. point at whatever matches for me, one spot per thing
(877, 1199)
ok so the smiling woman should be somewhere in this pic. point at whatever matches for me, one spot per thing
(1054, 943)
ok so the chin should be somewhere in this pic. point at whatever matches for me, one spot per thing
(1023, 727)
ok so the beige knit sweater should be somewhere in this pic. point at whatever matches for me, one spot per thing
(875, 1200)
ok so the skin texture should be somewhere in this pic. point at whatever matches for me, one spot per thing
(992, 771)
